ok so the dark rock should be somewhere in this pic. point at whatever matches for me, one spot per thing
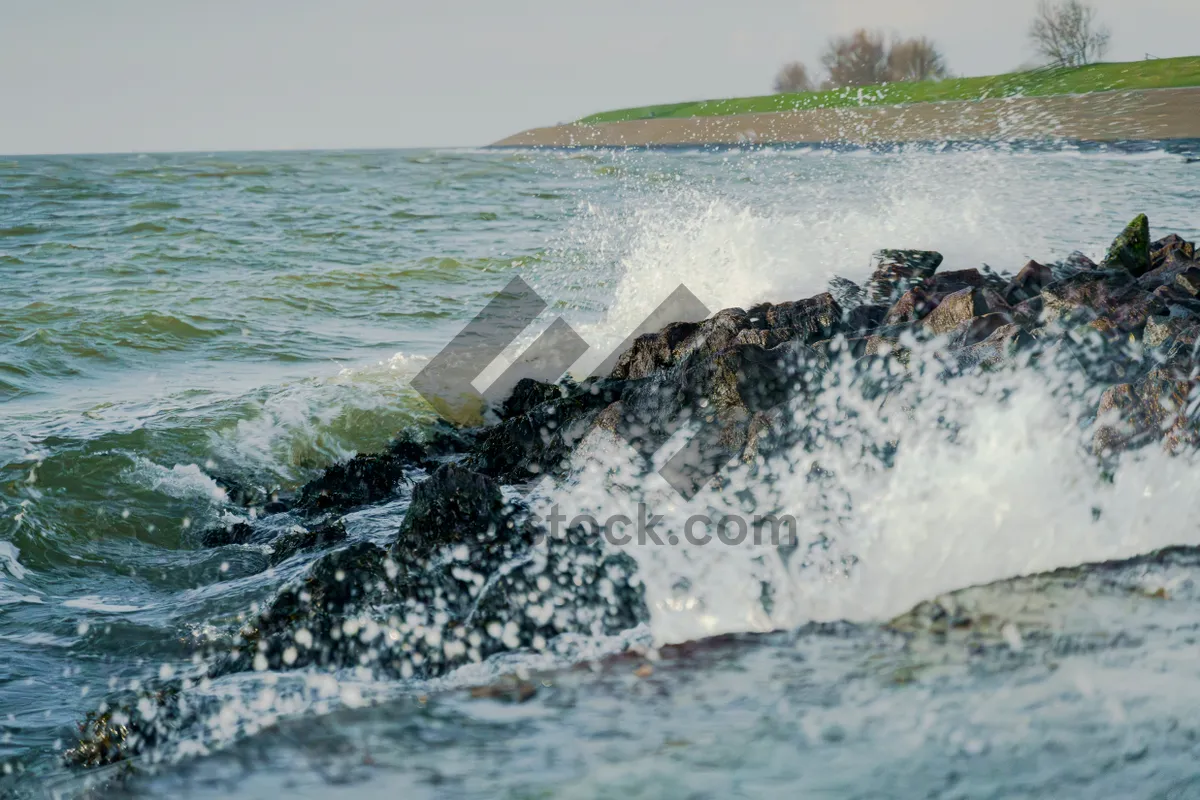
(1131, 249)
(424, 446)
(243, 492)
(865, 317)
(953, 280)
(1001, 345)
(338, 586)
(289, 544)
(895, 271)
(471, 574)
(1028, 283)
(1175, 329)
(978, 329)
(848, 294)
(1164, 247)
(361, 480)
(542, 440)
(1165, 273)
(1028, 313)
(808, 320)
(960, 306)
(527, 395)
(1078, 262)
(1107, 293)
(454, 505)
(1172, 299)
(913, 305)
(222, 536)
(120, 730)
(275, 506)
(1189, 281)
(1154, 406)
(653, 351)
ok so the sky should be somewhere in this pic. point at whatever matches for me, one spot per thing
(141, 76)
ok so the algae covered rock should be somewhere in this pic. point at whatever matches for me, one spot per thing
(1131, 248)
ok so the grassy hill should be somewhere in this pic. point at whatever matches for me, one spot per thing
(1154, 74)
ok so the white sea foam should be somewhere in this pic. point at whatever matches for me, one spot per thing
(312, 423)
(94, 602)
(9, 555)
(181, 481)
(1013, 491)
(986, 484)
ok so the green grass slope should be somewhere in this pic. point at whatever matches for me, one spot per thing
(1161, 73)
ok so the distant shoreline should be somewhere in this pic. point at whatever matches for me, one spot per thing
(1139, 115)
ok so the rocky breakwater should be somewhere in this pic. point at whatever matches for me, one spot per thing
(471, 573)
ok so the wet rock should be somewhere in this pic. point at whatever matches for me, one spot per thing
(225, 535)
(1166, 272)
(653, 351)
(292, 542)
(125, 727)
(1161, 329)
(1131, 249)
(958, 307)
(454, 505)
(362, 480)
(527, 395)
(275, 506)
(541, 440)
(885, 346)
(977, 329)
(848, 294)
(306, 623)
(865, 317)
(1189, 281)
(239, 492)
(471, 574)
(1001, 345)
(718, 332)
(807, 320)
(895, 271)
(1028, 313)
(1028, 283)
(1172, 299)
(1077, 262)
(913, 305)
(1164, 247)
(1100, 293)
(244, 493)
(1154, 406)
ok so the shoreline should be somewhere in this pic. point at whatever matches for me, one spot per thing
(1141, 115)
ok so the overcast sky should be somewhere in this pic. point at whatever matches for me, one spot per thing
(138, 76)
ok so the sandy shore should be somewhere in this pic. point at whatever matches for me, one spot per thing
(1104, 116)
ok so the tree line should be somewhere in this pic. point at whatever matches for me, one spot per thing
(1063, 33)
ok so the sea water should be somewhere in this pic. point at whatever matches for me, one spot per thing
(173, 321)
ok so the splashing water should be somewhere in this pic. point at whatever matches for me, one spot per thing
(264, 324)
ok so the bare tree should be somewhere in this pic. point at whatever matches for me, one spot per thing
(915, 60)
(859, 59)
(1066, 33)
(793, 78)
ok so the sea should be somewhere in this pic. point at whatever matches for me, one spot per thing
(172, 323)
